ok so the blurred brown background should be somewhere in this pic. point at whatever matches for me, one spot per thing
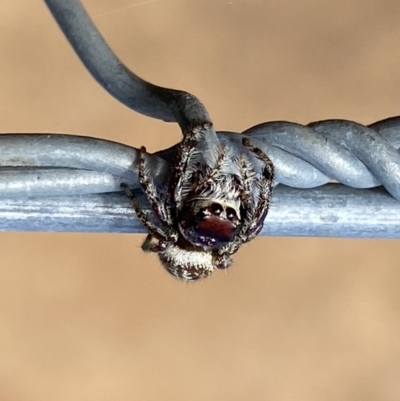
(89, 317)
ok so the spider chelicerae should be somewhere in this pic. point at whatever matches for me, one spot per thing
(205, 214)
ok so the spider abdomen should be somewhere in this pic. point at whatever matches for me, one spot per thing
(186, 264)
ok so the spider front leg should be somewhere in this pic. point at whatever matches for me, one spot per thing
(254, 214)
(163, 233)
(181, 171)
(211, 173)
(265, 184)
(150, 190)
(247, 177)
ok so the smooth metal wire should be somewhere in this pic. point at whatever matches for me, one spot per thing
(333, 210)
(52, 182)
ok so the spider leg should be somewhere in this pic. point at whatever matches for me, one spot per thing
(265, 184)
(187, 176)
(222, 261)
(181, 172)
(246, 195)
(164, 233)
(213, 172)
(150, 190)
(254, 215)
(202, 180)
(150, 246)
(261, 211)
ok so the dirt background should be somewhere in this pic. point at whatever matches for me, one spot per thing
(89, 317)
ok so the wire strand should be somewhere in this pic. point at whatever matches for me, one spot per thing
(332, 210)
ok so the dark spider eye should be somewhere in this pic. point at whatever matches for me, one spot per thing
(216, 209)
(231, 214)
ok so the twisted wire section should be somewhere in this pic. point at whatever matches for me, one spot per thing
(52, 182)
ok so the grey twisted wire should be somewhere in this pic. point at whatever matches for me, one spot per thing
(52, 165)
(63, 183)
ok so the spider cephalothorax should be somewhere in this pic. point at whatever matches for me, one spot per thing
(207, 212)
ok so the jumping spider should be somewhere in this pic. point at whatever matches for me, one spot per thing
(206, 214)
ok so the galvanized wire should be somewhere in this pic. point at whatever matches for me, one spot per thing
(54, 182)
(304, 157)
(333, 210)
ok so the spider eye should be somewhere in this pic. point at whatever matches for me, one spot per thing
(216, 209)
(231, 214)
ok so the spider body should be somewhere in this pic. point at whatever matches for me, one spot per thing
(207, 212)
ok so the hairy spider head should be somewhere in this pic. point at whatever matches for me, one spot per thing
(209, 223)
(188, 262)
